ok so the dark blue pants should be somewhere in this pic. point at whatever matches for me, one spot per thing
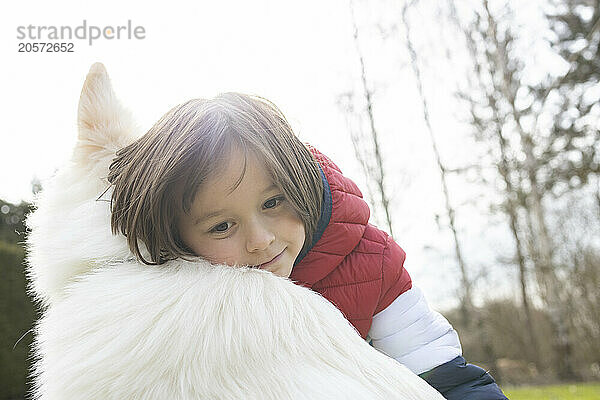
(457, 380)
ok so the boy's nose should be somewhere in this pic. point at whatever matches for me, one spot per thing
(259, 238)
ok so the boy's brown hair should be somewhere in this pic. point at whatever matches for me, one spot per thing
(186, 146)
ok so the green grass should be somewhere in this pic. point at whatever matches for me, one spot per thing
(583, 391)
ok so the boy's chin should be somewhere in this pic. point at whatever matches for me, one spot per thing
(282, 271)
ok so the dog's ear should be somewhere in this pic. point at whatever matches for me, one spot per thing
(70, 229)
(104, 124)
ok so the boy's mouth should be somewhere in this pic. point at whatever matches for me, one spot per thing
(272, 261)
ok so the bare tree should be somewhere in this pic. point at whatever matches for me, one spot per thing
(466, 283)
(345, 103)
(478, 95)
(531, 163)
(373, 172)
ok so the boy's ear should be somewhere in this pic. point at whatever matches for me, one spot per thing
(104, 124)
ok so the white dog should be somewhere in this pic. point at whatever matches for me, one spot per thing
(114, 328)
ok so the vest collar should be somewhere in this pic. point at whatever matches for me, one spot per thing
(326, 205)
(342, 223)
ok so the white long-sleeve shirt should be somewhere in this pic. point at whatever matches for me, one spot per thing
(413, 334)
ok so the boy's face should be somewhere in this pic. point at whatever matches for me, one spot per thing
(251, 225)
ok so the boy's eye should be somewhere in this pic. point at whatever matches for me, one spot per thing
(269, 204)
(222, 227)
(272, 203)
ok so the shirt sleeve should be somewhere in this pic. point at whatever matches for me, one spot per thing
(413, 334)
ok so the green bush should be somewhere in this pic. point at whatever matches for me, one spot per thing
(17, 314)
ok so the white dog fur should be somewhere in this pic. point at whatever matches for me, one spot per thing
(113, 328)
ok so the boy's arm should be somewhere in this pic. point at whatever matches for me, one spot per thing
(423, 340)
(408, 331)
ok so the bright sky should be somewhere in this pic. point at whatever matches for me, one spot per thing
(300, 55)
(286, 52)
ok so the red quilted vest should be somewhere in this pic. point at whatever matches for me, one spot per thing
(356, 266)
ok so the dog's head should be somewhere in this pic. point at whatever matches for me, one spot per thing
(70, 227)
